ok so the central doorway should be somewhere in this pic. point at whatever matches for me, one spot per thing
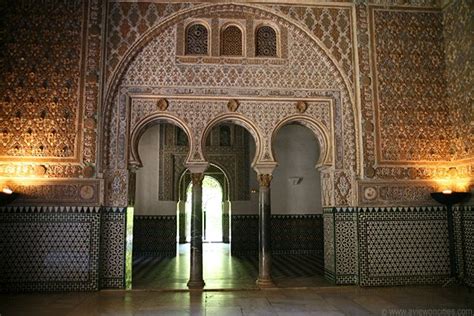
(212, 204)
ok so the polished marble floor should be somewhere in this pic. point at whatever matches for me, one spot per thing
(223, 271)
(321, 301)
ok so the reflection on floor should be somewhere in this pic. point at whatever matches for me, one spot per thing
(342, 300)
(222, 271)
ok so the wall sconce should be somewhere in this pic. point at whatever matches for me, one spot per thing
(253, 191)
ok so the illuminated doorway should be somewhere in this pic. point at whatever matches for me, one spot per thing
(212, 195)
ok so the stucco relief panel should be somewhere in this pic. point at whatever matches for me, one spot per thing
(309, 74)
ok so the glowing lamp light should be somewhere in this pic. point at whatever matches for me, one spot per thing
(7, 190)
(454, 184)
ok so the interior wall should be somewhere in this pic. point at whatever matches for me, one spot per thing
(296, 151)
(296, 185)
(248, 206)
(147, 185)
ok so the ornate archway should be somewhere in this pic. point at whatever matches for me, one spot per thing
(197, 94)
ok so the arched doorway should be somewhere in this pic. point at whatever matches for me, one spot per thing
(297, 222)
(216, 206)
(138, 85)
(157, 263)
(212, 195)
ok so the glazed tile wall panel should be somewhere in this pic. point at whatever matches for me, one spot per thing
(154, 235)
(244, 234)
(112, 251)
(298, 234)
(469, 245)
(291, 234)
(329, 245)
(346, 247)
(400, 246)
(49, 248)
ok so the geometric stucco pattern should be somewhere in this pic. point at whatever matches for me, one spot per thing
(155, 72)
(36, 121)
(331, 25)
(48, 113)
(128, 21)
(410, 87)
(459, 49)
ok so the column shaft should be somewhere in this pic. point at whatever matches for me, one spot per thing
(196, 271)
(265, 251)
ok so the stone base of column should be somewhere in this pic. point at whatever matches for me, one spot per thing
(265, 283)
(196, 284)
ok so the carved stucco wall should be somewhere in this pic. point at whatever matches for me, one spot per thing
(458, 20)
(307, 73)
(49, 74)
(50, 110)
(411, 128)
(232, 159)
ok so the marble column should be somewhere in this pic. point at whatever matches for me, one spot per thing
(196, 276)
(182, 221)
(225, 221)
(264, 237)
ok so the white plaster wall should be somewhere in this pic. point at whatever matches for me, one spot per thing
(296, 150)
(146, 198)
(251, 206)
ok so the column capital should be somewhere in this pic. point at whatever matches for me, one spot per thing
(264, 179)
(265, 167)
(197, 167)
(197, 178)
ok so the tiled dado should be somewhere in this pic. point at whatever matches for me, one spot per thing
(380, 246)
(467, 251)
(340, 245)
(291, 234)
(61, 248)
(154, 235)
(403, 245)
(113, 247)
